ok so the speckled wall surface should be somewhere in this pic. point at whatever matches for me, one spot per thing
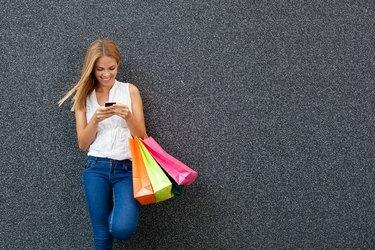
(271, 101)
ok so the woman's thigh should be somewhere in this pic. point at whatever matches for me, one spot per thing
(98, 194)
(125, 216)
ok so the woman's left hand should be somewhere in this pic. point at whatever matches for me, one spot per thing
(121, 110)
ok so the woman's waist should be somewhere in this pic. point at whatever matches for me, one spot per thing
(117, 150)
(106, 159)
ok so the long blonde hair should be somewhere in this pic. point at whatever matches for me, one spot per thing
(88, 82)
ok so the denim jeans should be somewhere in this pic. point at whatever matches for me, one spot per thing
(112, 208)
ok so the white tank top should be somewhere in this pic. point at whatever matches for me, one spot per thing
(112, 136)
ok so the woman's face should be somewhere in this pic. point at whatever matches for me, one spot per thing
(106, 71)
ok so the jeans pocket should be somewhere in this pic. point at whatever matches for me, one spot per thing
(89, 164)
(127, 166)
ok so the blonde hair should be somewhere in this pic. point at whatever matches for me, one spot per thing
(88, 82)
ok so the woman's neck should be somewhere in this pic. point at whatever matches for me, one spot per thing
(104, 89)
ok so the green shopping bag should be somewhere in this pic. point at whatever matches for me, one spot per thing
(160, 182)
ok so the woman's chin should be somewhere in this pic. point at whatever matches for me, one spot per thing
(106, 82)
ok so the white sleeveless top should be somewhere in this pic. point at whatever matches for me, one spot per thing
(112, 136)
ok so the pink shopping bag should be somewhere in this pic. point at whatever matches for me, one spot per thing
(182, 174)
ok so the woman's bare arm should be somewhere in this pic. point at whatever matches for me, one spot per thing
(135, 119)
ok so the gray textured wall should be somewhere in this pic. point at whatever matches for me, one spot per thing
(271, 101)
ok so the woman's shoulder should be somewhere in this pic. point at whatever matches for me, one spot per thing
(131, 86)
(90, 101)
(90, 96)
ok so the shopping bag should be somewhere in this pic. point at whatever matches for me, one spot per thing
(177, 190)
(142, 188)
(182, 174)
(161, 185)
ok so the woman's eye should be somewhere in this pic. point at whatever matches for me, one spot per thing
(101, 69)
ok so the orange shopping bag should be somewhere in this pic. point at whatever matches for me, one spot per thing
(142, 187)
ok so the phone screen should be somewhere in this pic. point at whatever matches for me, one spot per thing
(108, 104)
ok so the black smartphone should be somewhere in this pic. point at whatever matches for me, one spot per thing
(108, 104)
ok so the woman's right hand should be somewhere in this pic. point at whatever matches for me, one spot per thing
(103, 113)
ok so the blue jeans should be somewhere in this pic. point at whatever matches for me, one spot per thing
(113, 210)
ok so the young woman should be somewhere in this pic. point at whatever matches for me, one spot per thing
(104, 132)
